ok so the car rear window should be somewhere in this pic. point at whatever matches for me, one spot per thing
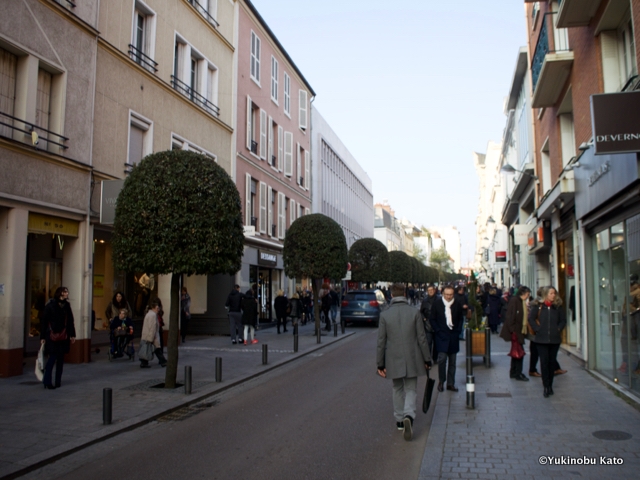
(351, 297)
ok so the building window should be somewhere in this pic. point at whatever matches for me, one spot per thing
(250, 196)
(280, 148)
(263, 134)
(197, 78)
(282, 214)
(272, 159)
(43, 101)
(287, 94)
(263, 207)
(255, 58)
(274, 79)
(302, 110)
(271, 200)
(252, 113)
(179, 143)
(307, 170)
(546, 167)
(299, 177)
(208, 9)
(288, 154)
(140, 139)
(8, 63)
(292, 211)
(141, 49)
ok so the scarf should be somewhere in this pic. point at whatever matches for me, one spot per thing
(525, 317)
(447, 312)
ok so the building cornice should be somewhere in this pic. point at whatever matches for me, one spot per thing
(211, 27)
(67, 15)
(43, 155)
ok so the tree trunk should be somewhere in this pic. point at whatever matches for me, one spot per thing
(172, 345)
(316, 305)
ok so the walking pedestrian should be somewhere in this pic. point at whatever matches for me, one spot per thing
(326, 302)
(402, 355)
(547, 320)
(185, 313)
(151, 333)
(335, 304)
(533, 346)
(446, 320)
(515, 328)
(249, 316)
(57, 334)
(280, 306)
(295, 309)
(494, 309)
(234, 305)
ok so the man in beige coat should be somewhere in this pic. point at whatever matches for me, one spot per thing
(151, 333)
(403, 355)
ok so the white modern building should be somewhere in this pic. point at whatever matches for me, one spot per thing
(341, 189)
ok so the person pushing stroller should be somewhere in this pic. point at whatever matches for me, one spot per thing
(121, 335)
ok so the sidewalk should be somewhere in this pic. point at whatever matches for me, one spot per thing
(513, 426)
(38, 426)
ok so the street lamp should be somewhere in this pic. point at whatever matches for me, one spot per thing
(490, 219)
(510, 169)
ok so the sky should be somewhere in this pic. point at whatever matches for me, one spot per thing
(412, 88)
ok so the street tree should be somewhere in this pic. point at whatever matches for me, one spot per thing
(369, 260)
(439, 260)
(399, 267)
(315, 247)
(418, 253)
(179, 213)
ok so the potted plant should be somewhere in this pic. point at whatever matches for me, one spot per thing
(475, 322)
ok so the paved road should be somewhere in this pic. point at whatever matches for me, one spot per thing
(326, 417)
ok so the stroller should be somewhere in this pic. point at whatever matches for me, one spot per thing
(121, 340)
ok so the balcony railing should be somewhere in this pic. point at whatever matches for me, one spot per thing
(194, 96)
(254, 221)
(274, 231)
(203, 11)
(254, 147)
(30, 131)
(542, 48)
(302, 181)
(143, 60)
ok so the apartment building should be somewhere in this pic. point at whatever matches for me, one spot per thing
(342, 190)
(272, 153)
(47, 84)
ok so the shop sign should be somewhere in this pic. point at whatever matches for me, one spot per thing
(501, 257)
(98, 285)
(521, 234)
(540, 238)
(615, 120)
(39, 223)
(267, 258)
(108, 199)
(249, 231)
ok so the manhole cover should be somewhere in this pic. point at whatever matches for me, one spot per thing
(498, 395)
(612, 435)
(187, 412)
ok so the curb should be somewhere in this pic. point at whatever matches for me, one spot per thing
(137, 422)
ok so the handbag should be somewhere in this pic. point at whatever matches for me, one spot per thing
(517, 351)
(146, 350)
(58, 337)
(40, 364)
(531, 332)
(428, 393)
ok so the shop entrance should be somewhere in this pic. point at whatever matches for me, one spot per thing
(262, 278)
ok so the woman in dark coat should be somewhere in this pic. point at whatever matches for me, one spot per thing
(57, 333)
(296, 310)
(249, 316)
(515, 327)
(494, 310)
(280, 306)
(118, 302)
(548, 319)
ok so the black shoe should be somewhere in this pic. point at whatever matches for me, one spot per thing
(546, 392)
(452, 388)
(49, 387)
(522, 377)
(550, 390)
(441, 387)
(233, 341)
(512, 376)
(278, 332)
(400, 425)
(408, 428)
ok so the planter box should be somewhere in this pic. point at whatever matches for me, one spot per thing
(478, 346)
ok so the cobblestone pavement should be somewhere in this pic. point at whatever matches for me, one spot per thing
(520, 434)
(38, 425)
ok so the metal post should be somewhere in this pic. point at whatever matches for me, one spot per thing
(343, 324)
(265, 352)
(218, 369)
(187, 380)
(471, 392)
(335, 329)
(487, 347)
(469, 350)
(106, 406)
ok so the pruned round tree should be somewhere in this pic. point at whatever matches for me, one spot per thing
(178, 213)
(315, 248)
(399, 267)
(369, 260)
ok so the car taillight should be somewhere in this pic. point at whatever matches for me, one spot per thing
(345, 303)
(374, 303)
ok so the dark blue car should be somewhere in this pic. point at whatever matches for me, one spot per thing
(363, 306)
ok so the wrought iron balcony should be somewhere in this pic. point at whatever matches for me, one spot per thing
(143, 60)
(254, 147)
(194, 96)
(30, 133)
(204, 12)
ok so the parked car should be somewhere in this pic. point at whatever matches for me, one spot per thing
(363, 306)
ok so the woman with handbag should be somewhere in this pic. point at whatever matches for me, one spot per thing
(547, 320)
(150, 338)
(514, 330)
(57, 333)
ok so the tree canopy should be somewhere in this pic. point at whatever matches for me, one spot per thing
(399, 267)
(369, 260)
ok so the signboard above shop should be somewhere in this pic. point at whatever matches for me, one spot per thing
(501, 257)
(108, 199)
(615, 120)
(540, 238)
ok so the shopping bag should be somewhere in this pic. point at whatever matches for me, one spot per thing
(40, 364)
(146, 350)
(517, 351)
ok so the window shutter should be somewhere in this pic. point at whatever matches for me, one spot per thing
(270, 211)
(307, 170)
(271, 147)
(292, 211)
(263, 207)
(307, 211)
(298, 164)
(610, 61)
(249, 115)
(281, 219)
(303, 109)
(280, 147)
(247, 208)
(263, 134)
(288, 153)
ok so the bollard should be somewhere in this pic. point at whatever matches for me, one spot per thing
(295, 343)
(487, 347)
(471, 392)
(106, 406)
(265, 352)
(343, 324)
(469, 348)
(187, 380)
(218, 369)
(335, 329)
